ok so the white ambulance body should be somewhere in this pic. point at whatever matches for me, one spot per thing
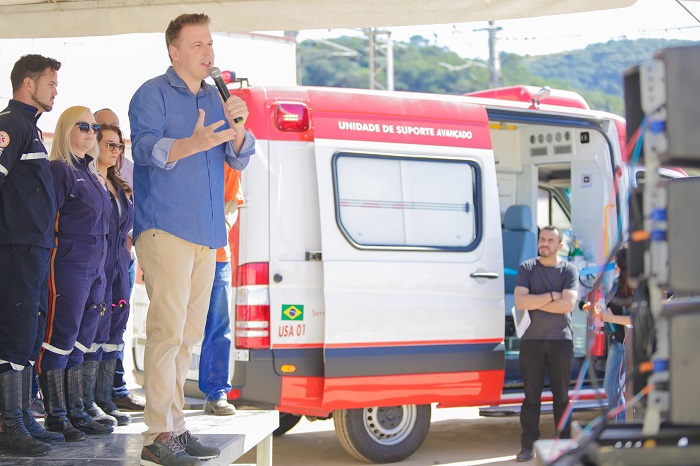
(370, 268)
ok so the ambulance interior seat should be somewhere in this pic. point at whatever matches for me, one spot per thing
(519, 244)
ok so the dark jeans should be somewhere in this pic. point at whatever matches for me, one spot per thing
(119, 389)
(537, 358)
(214, 378)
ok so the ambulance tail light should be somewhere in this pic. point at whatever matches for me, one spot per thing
(292, 117)
(252, 306)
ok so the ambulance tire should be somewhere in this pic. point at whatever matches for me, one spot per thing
(287, 421)
(382, 434)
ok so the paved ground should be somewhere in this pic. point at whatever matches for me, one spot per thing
(457, 437)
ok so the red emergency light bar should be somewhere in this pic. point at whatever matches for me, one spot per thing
(528, 93)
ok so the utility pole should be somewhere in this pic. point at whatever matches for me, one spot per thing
(494, 61)
(294, 35)
(381, 59)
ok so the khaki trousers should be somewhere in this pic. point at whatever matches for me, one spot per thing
(179, 277)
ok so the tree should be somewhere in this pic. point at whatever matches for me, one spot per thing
(595, 72)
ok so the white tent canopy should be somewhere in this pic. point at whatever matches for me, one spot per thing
(78, 18)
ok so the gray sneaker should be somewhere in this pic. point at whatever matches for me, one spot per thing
(219, 407)
(193, 448)
(167, 450)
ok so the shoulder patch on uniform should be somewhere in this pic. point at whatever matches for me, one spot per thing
(4, 139)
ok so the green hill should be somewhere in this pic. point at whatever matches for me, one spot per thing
(595, 72)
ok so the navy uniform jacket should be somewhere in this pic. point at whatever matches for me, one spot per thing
(27, 199)
(84, 204)
(118, 255)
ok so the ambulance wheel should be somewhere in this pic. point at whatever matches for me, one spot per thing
(382, 434)
(287, 421)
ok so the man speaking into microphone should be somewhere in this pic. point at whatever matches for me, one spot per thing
(182, 134)
(215, 74)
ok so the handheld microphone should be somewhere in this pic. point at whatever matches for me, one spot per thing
(215, 74)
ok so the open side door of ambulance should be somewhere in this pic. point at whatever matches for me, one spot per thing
(566, 168)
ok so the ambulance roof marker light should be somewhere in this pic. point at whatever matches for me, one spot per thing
(230, 77)
(292, 117)
(540, 96)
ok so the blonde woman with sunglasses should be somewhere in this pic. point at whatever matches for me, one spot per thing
(76, 280)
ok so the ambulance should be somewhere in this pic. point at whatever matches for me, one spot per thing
(378, 244)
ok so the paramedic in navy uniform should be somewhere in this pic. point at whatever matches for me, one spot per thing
(76, 281)
(27, 213)
(122, 398)
(100, 361)
(182, 134)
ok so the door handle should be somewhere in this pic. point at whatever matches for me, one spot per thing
(489, 275)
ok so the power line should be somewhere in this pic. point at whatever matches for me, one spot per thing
(640, 32)
(688, 11)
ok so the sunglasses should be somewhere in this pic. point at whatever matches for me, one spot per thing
(113, 145)
(85, 126)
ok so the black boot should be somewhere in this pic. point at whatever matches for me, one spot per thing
(54, 391)
(89, 380)
(103, 392)
(33, 427)
(76, 409)
(13, 435)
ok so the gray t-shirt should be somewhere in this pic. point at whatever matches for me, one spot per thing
(539, 279)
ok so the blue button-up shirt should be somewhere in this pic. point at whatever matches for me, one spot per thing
(185, 197)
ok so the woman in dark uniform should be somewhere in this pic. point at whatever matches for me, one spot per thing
(109, 341)
(76, 281)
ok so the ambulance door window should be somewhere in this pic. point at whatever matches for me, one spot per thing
(389, 202)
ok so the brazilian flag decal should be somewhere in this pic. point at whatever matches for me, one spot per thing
(292, 312)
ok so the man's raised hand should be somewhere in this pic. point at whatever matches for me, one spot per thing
(206, 137)
(203, 138)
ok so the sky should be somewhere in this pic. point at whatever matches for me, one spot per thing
(80, 82)
(99, 72)
(551, 34)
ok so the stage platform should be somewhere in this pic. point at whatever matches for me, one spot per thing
(234, 435)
